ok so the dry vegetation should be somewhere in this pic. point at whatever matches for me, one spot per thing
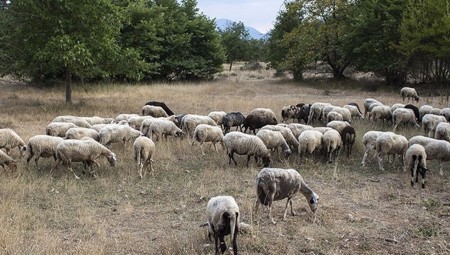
(361, 211)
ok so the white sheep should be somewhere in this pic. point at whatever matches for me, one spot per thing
(446, 113)
(424, 109)
(429, 123)
(79, 121)
(309, 142)
(190, 121)
(410, 93)
(354, 111)
(6, 160)
(222, 213)
(332, 142)
(368, 103)
(346, 114)
(86, 151)
(206, 133)
(442, 131)
(144, 148)
(59, 128)
(10, 139)
(316, 111)
(125, 116)
(338, 125)
(217, 116)
(42, 146)
(273, 184)
(396, 106)
(298, 128)
(389, 143)
(334, 116)
(416, 160)
(438, 150)
(403, 115)
(273, 140)
(436, 111)
(79, 132)
(286, 132)
(114, 133)
(136, 121)
(244, 144)
(98, 120)
(154, 111)
(381, 112)
(163, 127)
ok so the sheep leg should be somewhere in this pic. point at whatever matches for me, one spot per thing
(70, 168)
(231, 157)
(30, 156)
(216, 239)
(366, 153)
(423, 172)
(440, 168)
(248, 159)
(58, 162)
(201, 148)
(36, 161)
(380, 162)
(272, 197)
(255, 211)
(215, 148)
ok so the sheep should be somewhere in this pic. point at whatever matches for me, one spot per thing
(258, 118)
(222, 213)
(162, 127)
(206, 133)
(289, 112)
(217, 116)
(338, 125)
(436, 111)
(424, 109)
(117, 133)
(190, 121)
(233, 119)
(381, 112)
(154, 111)
(442, 131)
(58, 128)
(136, 121)
(348, 135)
(297, 128)
(346, 114)
(79, 132)
(273, 184)
(10, 139)
(369, 141)
(86, 151)
(303, 114)
(144, 149)
(162, 105)
(322, 129)
(316, 111)
(396, 106)
(6, 160)
(98, 120)
(446, 113)
(369, 102)
(354, 111)
(244, 144)
(286, 132)
(332, 142)
(416, 160)
(42, 146)
(389, 143)
(125, 116)
(410, 93)
(273, 140)
(419, 139)
(325, 112)
(72, 119)
(334, 116)
(415, 110)
(309, 141)
(403, 115)
(429, 123)
(440, 150)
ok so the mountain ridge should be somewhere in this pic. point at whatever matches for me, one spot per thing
(223, 23)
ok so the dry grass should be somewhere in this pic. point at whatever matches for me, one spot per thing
(362, 210)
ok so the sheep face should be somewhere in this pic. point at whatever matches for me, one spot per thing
(112, 159)
(313, 202)
(266, 159)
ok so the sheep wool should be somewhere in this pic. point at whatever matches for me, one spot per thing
(10, 139)
(59, 128)
(244, 144)
(42, 146)
(144, 148)
(389, 143)
(206, 133)
(6, 160)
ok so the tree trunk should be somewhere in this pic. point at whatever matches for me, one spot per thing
(68, 87)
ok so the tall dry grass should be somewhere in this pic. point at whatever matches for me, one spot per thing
(362, 210)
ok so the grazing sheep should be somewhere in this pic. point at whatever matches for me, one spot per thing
(429, 123)
(206, 133)
(416, 160)
(303, 114)
(136, 121)
(190, 121)
(162, 105)
(222, 213)
(289, 112)
(154, 111)
(369, 141)
(334, 116)
(424, 109)
(410, 93)
(346, 114)
(354, 111)
(86, 151)
(348, 135)
(79, 121)
(403, 115)
(287, 134)
(332, 142)
(297, 128)
(316, 111)
(42, 146)
(162, 127)
(381, 112)
(273, 184)
(420, 139)
(273, 140)
(436, 111)
(439, 150)
(415, 110)
(442, 131)
(338, 125)
(309, 141)
(446, 113)
(258, 118)
(217, 116)
(6, 160)
(117, 133)
(144, 148)
(244, 144)
(10, 139)
(233, 119)
(58, 128)
(389, 143)
(368, 102)
(325, 112)
(125, 116)
(396, 106)
(98, 120)
(177, 119)
(79, 132)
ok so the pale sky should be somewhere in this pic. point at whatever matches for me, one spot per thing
(259, 14)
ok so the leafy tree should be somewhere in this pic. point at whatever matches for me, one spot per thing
(235, 40)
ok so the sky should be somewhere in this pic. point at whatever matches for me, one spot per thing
(259, 14)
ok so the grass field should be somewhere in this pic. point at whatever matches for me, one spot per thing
(361, 210)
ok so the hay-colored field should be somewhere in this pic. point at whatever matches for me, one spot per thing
(362, 210)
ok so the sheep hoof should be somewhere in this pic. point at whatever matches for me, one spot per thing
(423, 185)
(412, 184)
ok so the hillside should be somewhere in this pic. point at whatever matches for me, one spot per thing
(254, 33)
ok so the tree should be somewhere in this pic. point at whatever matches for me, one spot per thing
(235, 41)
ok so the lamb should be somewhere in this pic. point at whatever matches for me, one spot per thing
(273, 140)
(332, 142)
(206, 133)
(162, 105)
(222, 213)
(244, 144)
(86, 151)
(338, 125)
(309, 141)
(403, 115)
(117, 133)
(424, 109)
(6, 160)
(446, 113)
(286, 132)
(59, 128)
(79, 132)
(144, 149)
(369, 141)
(217, 116)
(42, 146)
(161, 127)
(442, 131)
(389, 143)
(72, 119)
(348, 135)
(429, 123)
(316, 111)
(381, 112)
(190, 121)
(354, 111)
(154, 111)
(410, 93)
(258, 118)
(334, 116)
(274, 184)
(10, 139)
(233, 119)
(440, 150)
(416, 160)
(289, 112)
(368, 102)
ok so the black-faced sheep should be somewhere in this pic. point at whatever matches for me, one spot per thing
(42, 146)
(244, 144)
(144, 148)
(409, 93)
(10, 139)
(162, 105)
(258, 118)
(233, 119)
(303, 114)
(274, 184)
(416, 161)
(429, 123)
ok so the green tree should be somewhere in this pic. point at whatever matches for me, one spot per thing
(235, 40)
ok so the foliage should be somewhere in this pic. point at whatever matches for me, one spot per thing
(235, 40)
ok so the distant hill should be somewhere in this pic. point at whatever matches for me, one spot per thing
(254, 34)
